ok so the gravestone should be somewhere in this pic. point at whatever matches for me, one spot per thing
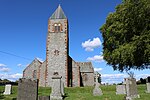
(62, 88)
(148, 87)
(148, 79)
(97, 91)
(44, 98)
(56, 93)
(131, 89)
(7, 89)
(120, 89)
(27, 89)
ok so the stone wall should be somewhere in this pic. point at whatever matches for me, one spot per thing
(42, 74)
(87, 73)
(57, 52)
(87, 79)
(32, 70)
(57, 60)
(75, 74)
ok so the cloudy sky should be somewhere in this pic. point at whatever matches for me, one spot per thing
(23, 31)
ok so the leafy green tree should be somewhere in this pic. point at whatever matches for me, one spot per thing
(5, 81)
(126, 36)
(143, 81)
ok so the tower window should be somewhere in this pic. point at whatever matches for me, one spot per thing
(57, 27)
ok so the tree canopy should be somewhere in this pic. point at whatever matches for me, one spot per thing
(126, 36)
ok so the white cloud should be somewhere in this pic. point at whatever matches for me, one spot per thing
(2, 65)
(19, 65)
(113, 75)
(17, 75)
(90, 45)
(113, 78)
(4, 69)
(12, 77)
(40, 59)
(97, 69)
(118, 78)
(96, 58)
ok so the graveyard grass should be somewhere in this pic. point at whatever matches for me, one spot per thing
(81, 93)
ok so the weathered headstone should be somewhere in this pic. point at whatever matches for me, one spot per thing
(120, 89)
(97, 91)
(62, 88)
(148, 87)
(148, 79)
(56, 93)
(131, 88)
(7, 89)
(44, 98)
(27, 89)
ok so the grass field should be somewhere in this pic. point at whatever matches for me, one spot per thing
(82, 93)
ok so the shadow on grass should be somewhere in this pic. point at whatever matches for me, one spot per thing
(1, 96)
(64, 96)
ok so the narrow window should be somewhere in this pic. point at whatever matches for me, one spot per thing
(55, 25)
(59, 25)
(35, 74)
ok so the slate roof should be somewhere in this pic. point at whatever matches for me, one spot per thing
(85, 66)
(58, 14)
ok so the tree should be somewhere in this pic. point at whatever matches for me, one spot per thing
(143, 81)
(131, 74)
(126, 36)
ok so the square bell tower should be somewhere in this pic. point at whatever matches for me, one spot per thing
(57, 47)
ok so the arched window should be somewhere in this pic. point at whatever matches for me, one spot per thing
(35, 74)
(57, 27)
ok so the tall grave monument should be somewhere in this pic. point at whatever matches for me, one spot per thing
(56, 93)
(131, 88)
(97, 91)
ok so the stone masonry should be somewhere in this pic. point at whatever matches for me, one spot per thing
(27, 89)
(87, 75)
(56, 93)
(148, 87)
(131, 88)
(120, 89)
(57, 57)
(97, 90)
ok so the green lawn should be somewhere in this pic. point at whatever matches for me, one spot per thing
(82, 93)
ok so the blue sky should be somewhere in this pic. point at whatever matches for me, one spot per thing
(23, 31)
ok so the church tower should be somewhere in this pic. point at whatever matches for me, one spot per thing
(57, 47)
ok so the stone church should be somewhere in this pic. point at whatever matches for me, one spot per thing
(74, 74)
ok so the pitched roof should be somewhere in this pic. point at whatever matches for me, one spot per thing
(58, 14)
(86, 67)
